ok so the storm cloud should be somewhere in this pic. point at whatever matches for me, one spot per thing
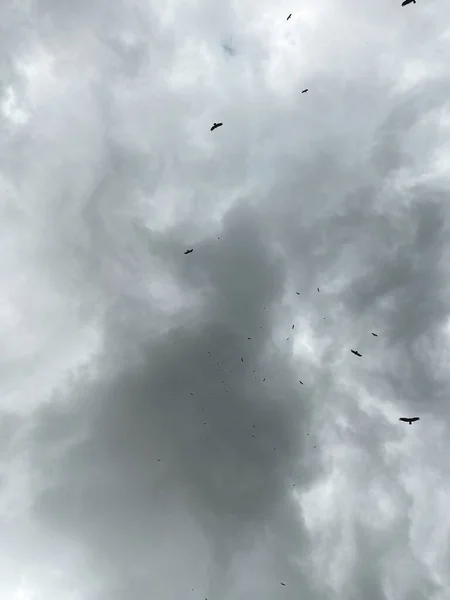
(155, 438)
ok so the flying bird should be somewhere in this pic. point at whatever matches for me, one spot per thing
(215, 126)
(375, 334)
(293, 326)
(304, 91)
(281, 581)
(189, 251)
(289, 17)
(318, 289)
(300, 381)
(356, 353)
(242, 360)
(298, 293)
(405, 2)
(410, 420)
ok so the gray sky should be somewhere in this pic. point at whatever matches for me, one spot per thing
(141, 458)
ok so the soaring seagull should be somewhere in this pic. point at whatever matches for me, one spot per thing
(189, 251)
(405, 2)
(215, 126)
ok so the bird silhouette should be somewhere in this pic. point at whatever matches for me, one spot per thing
(304, 91)
(215, 126)
(375, 334)
(189, 251)
(405, 2)
(409, 420)
(356, 353)
(289, 17)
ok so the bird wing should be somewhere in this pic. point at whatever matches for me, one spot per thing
(404, 419)
(415, 419)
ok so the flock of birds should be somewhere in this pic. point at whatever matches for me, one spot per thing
(409, 420)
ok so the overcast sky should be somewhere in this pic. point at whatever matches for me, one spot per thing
(149, 449)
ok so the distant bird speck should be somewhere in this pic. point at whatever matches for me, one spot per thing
(298, 293)
(282, 583)
(375, 334)
(249, 338)
(293, 326)
(409, 420)
(405, 2)
(228, 49)
(242, 360)
(318, 289)
(289, 17)
(189, 251)
(215, 126)
(304, 91)
(300, 382)
(356, 353)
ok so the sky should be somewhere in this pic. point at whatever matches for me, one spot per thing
(195, 426)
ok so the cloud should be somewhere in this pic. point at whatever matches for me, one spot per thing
(140, 455)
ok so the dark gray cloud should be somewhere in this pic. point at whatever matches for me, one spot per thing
(150, 448)
(164, 434)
